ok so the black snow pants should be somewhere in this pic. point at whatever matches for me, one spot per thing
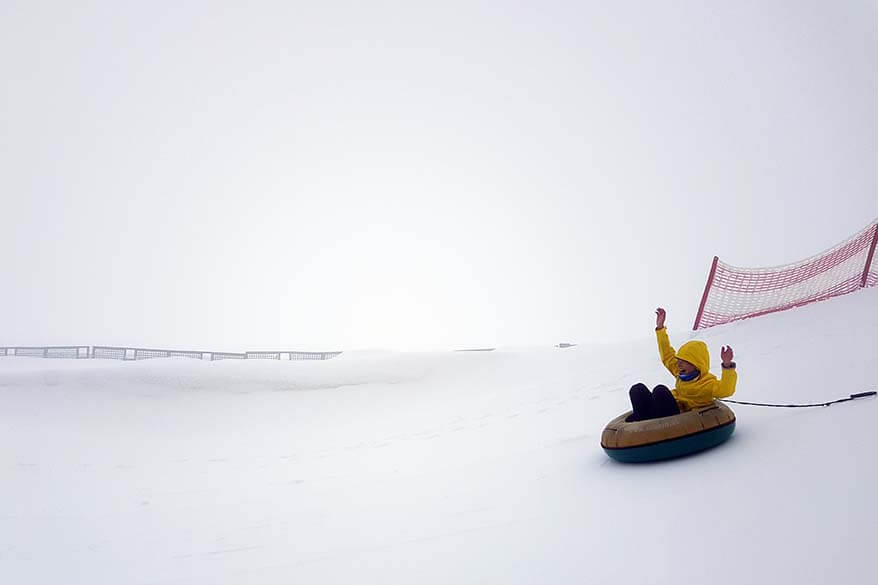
(656, 404)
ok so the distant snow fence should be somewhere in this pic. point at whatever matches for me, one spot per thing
(734, 293)
(49, 351)
(141, 353)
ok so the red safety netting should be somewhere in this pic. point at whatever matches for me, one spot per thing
(734, 293)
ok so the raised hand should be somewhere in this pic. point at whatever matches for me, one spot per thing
(660, 315)
(727, 355)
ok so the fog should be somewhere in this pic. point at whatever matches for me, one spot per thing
(407, 175)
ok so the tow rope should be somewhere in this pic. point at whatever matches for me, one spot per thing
(851, 397)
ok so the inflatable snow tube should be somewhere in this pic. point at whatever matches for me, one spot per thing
(668, 437)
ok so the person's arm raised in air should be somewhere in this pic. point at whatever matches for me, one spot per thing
(729, 378)
(667, 353)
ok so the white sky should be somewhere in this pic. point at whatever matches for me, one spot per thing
(344, 175)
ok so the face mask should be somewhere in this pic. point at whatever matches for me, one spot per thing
(690, 376)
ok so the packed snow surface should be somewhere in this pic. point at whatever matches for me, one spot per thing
(441, 467)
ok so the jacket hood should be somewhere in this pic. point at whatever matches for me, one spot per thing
(695, 352)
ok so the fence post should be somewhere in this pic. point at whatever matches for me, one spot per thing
(706, 292)
(869, 257)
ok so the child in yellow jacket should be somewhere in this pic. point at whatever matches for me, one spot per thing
(695, 386)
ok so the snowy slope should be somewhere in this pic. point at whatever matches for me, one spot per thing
(441, 467)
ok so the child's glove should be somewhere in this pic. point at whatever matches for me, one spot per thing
(727, 355)
(660, 318)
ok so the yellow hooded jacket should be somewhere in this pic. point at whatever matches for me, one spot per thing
(702, 390)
